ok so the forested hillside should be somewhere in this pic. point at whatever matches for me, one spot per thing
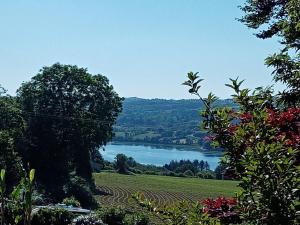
(162, 121)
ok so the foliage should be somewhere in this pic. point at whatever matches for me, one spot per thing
(18, 208)
(224, 209)
(120, 216)
(180, 213)
(2, 192)
(219, 171)
(128, 165)
(121, 163)
(28, 183)
(261, 140)
(71, 201)
(206, 174)
(87, 220)
(69, 114)
(52, 216)
(13, 213)
(80, 189)
(259, 151)
(184, 165)
(279, 19)
(11, 133)
(136, 218)
(188, 173)
(161, 121)
(112, 215)
(97, 162)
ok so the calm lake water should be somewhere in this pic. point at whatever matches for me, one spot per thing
(160, 155)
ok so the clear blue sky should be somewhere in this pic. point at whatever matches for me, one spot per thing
(144, 47)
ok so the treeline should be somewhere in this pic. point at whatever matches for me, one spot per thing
(183, 168)
(187, 165)
(162, 121)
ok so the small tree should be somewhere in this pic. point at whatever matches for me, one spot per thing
(121, 163)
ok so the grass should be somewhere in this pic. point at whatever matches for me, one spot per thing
(116, 190)
(195, 187)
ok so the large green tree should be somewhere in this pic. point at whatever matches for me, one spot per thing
(280, 19)
(69, 114)
(11, 132)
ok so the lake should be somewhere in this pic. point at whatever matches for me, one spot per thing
(159, 154)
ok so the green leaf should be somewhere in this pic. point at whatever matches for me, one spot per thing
(18, 219)
(31, 175)
(2, 175)
(279, 167)
(17, 191)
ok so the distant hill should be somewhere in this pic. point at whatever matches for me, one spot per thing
(162, 121)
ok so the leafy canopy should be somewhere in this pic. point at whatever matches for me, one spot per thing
(69, 114)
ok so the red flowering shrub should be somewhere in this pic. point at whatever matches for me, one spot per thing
(261, 149)
(285, 125)
(224, 209)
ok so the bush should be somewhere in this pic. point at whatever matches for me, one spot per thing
(137, 171)
(149, 172)
(141, 219)
(12, 213)
(71, 202)
(206, 175)
(81, 190)
(261, 143)
(119, 216)
(39, 197)
(48, 216)
(112, 215)
(182, 212)
(136, 219)
(171, 173)
(188, 173)
(87, 220)
(180, 175)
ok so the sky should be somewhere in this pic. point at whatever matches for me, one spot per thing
(144, 47)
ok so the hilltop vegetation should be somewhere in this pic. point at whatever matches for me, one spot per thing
(162, 121)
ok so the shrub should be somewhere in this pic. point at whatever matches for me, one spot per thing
(183, 213)
(261, 143)
(136, 219)
(81, 190)
(13, 213)
(112, 215)
(150, 172)
(39, 197)
(71, 202)
(137, 171)
(206, 175)
(87, 220)
(171, 173)
(188, 173)
(121, 163)
(180, 175)
(222, 208)
(49, 216)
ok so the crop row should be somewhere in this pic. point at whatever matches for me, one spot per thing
(120, 196)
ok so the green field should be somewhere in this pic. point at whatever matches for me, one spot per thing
(117, 188)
